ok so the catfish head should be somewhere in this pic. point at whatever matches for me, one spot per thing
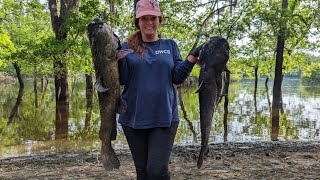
(213, 58)
(98, 30)
(100, 34)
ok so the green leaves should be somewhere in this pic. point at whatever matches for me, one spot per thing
(251, 28)
(6, 46)
(26, 25)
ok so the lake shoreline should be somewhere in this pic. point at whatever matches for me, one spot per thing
(231, 160)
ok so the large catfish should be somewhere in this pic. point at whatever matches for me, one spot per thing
(213, 58)
(104, 47)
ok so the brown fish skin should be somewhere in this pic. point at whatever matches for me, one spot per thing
(103, 48)
(214, 56)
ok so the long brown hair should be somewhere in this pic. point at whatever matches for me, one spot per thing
(135, 41)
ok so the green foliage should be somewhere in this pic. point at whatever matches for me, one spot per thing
(311, 67)
(265, 21)
(75, 49)
(27, 25)
(6, 46)
(251, 28)
(255, 24)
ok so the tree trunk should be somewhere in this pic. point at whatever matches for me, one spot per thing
(278, 76)
(266, 81)
(60, 66)
(184, 112)
(44, 85)
(255, 91)
(226, 103)
(268, 97)
(35, 90)
(19, 76)
(62, 101)
(62, 114)
(73, 83)
(35, 87)
(89, 95)
(15, 108)
(61, 81)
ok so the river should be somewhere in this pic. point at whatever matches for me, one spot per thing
(33, 129)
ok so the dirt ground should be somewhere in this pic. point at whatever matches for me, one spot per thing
(256, 160)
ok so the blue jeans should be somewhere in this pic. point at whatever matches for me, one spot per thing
(151, 149)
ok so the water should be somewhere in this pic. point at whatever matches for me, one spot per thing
(34, 130)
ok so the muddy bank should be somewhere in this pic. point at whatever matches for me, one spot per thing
(256, 160)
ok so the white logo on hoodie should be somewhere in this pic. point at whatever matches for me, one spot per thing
(162, 52)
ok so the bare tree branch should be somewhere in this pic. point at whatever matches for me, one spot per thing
(206, 21)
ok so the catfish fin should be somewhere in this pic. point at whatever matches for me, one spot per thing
(200, 87)
(99, 86)
(123, 53)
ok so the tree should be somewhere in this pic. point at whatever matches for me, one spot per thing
(58, 20)
(278, 71)
(59, 13)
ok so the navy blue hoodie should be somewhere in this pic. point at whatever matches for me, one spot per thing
(149, 92)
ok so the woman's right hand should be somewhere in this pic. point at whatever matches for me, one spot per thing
(194, 54)
(196, 51)
(195, 60)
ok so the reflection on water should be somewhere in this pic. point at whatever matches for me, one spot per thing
(34, 130)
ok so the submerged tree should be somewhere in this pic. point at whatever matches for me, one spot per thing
(59, 12)
(278, 72)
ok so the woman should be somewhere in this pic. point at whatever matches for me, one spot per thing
(151, 120)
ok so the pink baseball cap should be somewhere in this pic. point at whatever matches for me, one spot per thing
(147, 7)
